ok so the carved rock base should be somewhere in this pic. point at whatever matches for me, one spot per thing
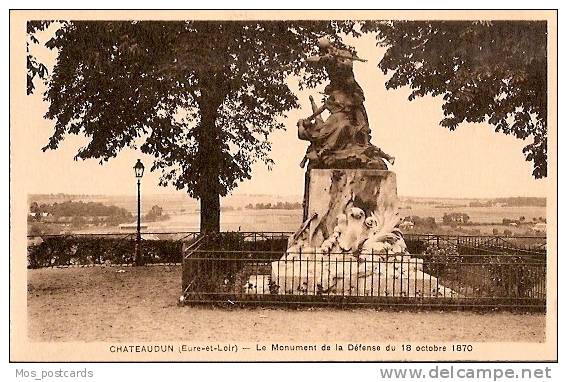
(334, 192)
(350, 245)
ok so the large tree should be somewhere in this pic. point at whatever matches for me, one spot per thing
(492, 71)
(201, 97)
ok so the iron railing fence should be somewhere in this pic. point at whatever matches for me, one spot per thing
(503, 243)
(449, 271)
(378, 280)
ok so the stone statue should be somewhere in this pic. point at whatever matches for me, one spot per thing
(349, 243)
(343, 139)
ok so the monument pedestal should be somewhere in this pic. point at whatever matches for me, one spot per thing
(350, 244)
(333, 192)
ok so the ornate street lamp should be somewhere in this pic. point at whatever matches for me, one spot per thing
(139, 171)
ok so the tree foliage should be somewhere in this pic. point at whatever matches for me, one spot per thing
(485, 71)
(456, 217)
(201, 97)
(34, 67)
(71, 208)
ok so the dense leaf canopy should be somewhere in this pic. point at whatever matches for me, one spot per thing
(178, 89)
(34, 68)
(485, 71)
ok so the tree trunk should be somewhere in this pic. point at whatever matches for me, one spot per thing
(210, 157)
(210, 212)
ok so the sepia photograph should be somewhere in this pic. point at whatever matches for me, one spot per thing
(283, 185)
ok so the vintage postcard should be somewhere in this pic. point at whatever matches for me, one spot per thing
(283, 185)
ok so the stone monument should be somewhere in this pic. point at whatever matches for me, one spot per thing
(350, 234)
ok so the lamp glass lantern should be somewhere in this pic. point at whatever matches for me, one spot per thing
(139, 169)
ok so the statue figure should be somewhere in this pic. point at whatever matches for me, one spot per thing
(343, 139)
(350, 231)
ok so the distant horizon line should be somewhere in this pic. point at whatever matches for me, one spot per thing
(278, 196)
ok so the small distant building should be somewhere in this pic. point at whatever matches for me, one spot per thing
(513, 224)
(406, 224)
(39, 214)
(540, 227)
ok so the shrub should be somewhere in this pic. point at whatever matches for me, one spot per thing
(90, 250)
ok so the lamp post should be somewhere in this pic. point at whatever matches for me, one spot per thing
(139, 171)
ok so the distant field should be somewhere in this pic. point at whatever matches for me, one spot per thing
(243, 220)
(478, 214)
(184, 214)
(290, 220)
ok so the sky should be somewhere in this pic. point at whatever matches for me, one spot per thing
(431, 161)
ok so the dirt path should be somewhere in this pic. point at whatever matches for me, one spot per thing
(102, 304)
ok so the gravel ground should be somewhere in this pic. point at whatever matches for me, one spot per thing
(140, 304)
